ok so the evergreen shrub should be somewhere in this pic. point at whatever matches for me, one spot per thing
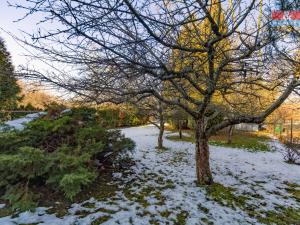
(62, 153)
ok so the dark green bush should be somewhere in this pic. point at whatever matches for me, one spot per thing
(112, 118)
(62, 154)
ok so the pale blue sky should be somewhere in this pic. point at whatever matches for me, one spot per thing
(7, 17)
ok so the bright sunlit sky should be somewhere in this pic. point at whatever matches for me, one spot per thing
(8, 24)
(7, 17)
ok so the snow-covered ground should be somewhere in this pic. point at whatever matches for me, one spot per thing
(161, 188)
(18, 124)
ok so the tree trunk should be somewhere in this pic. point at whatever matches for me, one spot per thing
(161, 127)
(204, 176)
(291, 130)
(180, 129)
(229, 138)
(161, 134)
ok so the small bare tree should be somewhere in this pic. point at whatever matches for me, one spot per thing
(291, 154)
(231, 57)
(157, 113)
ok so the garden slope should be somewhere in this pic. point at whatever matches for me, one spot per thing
(160, 189)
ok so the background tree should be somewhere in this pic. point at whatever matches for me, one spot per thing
(157, 113)
(34, 96)
(9, 88)
(131, 43)
(179, 119)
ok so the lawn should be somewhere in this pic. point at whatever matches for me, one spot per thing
(250, 188)
(252, 141)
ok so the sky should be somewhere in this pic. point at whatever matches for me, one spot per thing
(8, 24)
(7, 17)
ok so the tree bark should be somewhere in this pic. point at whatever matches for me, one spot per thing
(161, 134)
(291, 137)
(230, 131)
(204, 176)
(180, 129)
(161, 127)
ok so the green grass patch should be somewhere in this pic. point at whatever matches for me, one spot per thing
(181, 218)
(250, 141)
(179, 157)
(165, 213)
(294, 190)
(101, 220)
(184, 138)
(245, 140)
(142, 195)
(280, 216)
(161, 150)
(225, 196)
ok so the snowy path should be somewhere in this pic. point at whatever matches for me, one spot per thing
(162, 188)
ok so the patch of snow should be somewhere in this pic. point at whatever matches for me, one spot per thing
(66, 111)
(165, 180)
(18, 124)
(2, 206)
(107, 154)
(117, 175)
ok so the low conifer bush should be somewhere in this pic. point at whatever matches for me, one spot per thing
(64, 153)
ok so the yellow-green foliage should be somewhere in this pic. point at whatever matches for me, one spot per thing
(196, 34)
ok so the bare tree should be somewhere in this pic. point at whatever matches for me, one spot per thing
(125, 49)
(157, 113)
(180, 119)
(230, 132)
(161, 126)
(291, 153)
